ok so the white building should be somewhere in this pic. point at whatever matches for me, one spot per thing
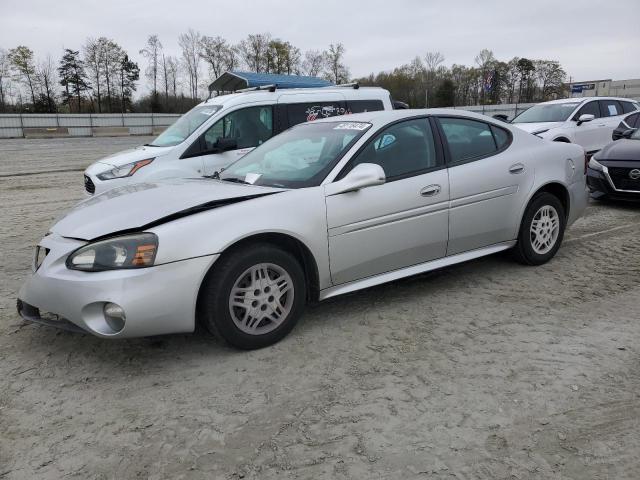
(606, 88)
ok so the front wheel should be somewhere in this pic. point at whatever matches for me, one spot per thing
(254, 296)
(541, 231)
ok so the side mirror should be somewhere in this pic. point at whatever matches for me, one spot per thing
(619, 133)
(502, 117)
(225, 144)
(585, 117)
(362, 176)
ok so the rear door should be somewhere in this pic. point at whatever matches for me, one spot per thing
(489, 180)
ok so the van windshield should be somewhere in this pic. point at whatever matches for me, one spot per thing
(185, 126)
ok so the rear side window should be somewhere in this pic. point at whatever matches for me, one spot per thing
(628, 107)
(359, 106)
(308, 112)
(610, 108)
(590, 108)
(501, 136)
(469, 139)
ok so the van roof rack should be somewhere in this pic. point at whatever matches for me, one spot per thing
(271, 88)
(354, 85)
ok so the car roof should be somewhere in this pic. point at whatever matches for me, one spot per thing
(584, 99)
(381, 117)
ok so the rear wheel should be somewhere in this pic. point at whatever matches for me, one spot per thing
(541, 231)
(254, 296)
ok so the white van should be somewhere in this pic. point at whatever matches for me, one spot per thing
(223, 129)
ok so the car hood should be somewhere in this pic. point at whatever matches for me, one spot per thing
(623, 149)
(143, 205)
(129, 156)
(536, 127)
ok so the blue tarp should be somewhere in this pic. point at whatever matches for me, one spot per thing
(235, 80)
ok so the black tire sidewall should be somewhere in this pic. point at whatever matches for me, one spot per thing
(524, 239)
(218, 288)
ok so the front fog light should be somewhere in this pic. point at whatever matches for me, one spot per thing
(114, 315)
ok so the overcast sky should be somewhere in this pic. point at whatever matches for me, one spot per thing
(591, 39)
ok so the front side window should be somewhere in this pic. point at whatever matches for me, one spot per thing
(547, 112)
(590, 108)
(630, 121)
(185, 126)
(403, 149)
(610, 108)
(249, 127)
(299, 157)
(468, 139)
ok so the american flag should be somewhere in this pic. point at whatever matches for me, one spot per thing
(488, 81)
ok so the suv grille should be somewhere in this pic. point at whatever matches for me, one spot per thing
(622, 181)
(88, 185)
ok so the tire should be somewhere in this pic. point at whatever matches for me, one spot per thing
(253, 274)
(538, 246)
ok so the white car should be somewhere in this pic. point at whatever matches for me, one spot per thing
(589, 122)
(222, 129)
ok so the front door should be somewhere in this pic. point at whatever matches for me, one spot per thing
(590, 134)
(400, 223)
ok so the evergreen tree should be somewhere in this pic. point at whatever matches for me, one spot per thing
(73, 78)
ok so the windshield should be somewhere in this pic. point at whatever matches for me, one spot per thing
(547, 112)
(185, 126)
(300, 157)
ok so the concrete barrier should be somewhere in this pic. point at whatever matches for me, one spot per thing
(45, 132)
(110, 131)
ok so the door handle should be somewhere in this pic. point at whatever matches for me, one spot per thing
(430, 190)
(516, 169)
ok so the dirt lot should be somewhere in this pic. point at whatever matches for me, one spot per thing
(488, 370)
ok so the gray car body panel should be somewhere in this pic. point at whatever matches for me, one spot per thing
(357, 239)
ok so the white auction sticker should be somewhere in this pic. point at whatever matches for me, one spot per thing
(352, 126)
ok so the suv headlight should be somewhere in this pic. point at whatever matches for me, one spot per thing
(127, 251)
(595, 165)
(125, 170)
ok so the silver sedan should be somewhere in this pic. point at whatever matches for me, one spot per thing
(323, 209)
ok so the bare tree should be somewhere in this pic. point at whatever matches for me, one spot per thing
(152, 53)
(253, 51)
(4, 78)
(21, 59)
(432, 62)
(173, 67)
(190, 43)
(336, 70)
(92, 53)
(313, 63)
(46, 76)
(214, 51)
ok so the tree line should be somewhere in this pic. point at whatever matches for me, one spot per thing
(427, 82)
(100, 76)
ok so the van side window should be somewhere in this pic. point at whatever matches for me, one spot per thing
(250, 127)
(359, 106)
(308, 112)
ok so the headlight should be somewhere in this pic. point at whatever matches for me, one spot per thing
(128, 251)
(595, 165)
(125, 170)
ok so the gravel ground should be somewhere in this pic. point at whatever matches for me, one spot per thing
(487, 370)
